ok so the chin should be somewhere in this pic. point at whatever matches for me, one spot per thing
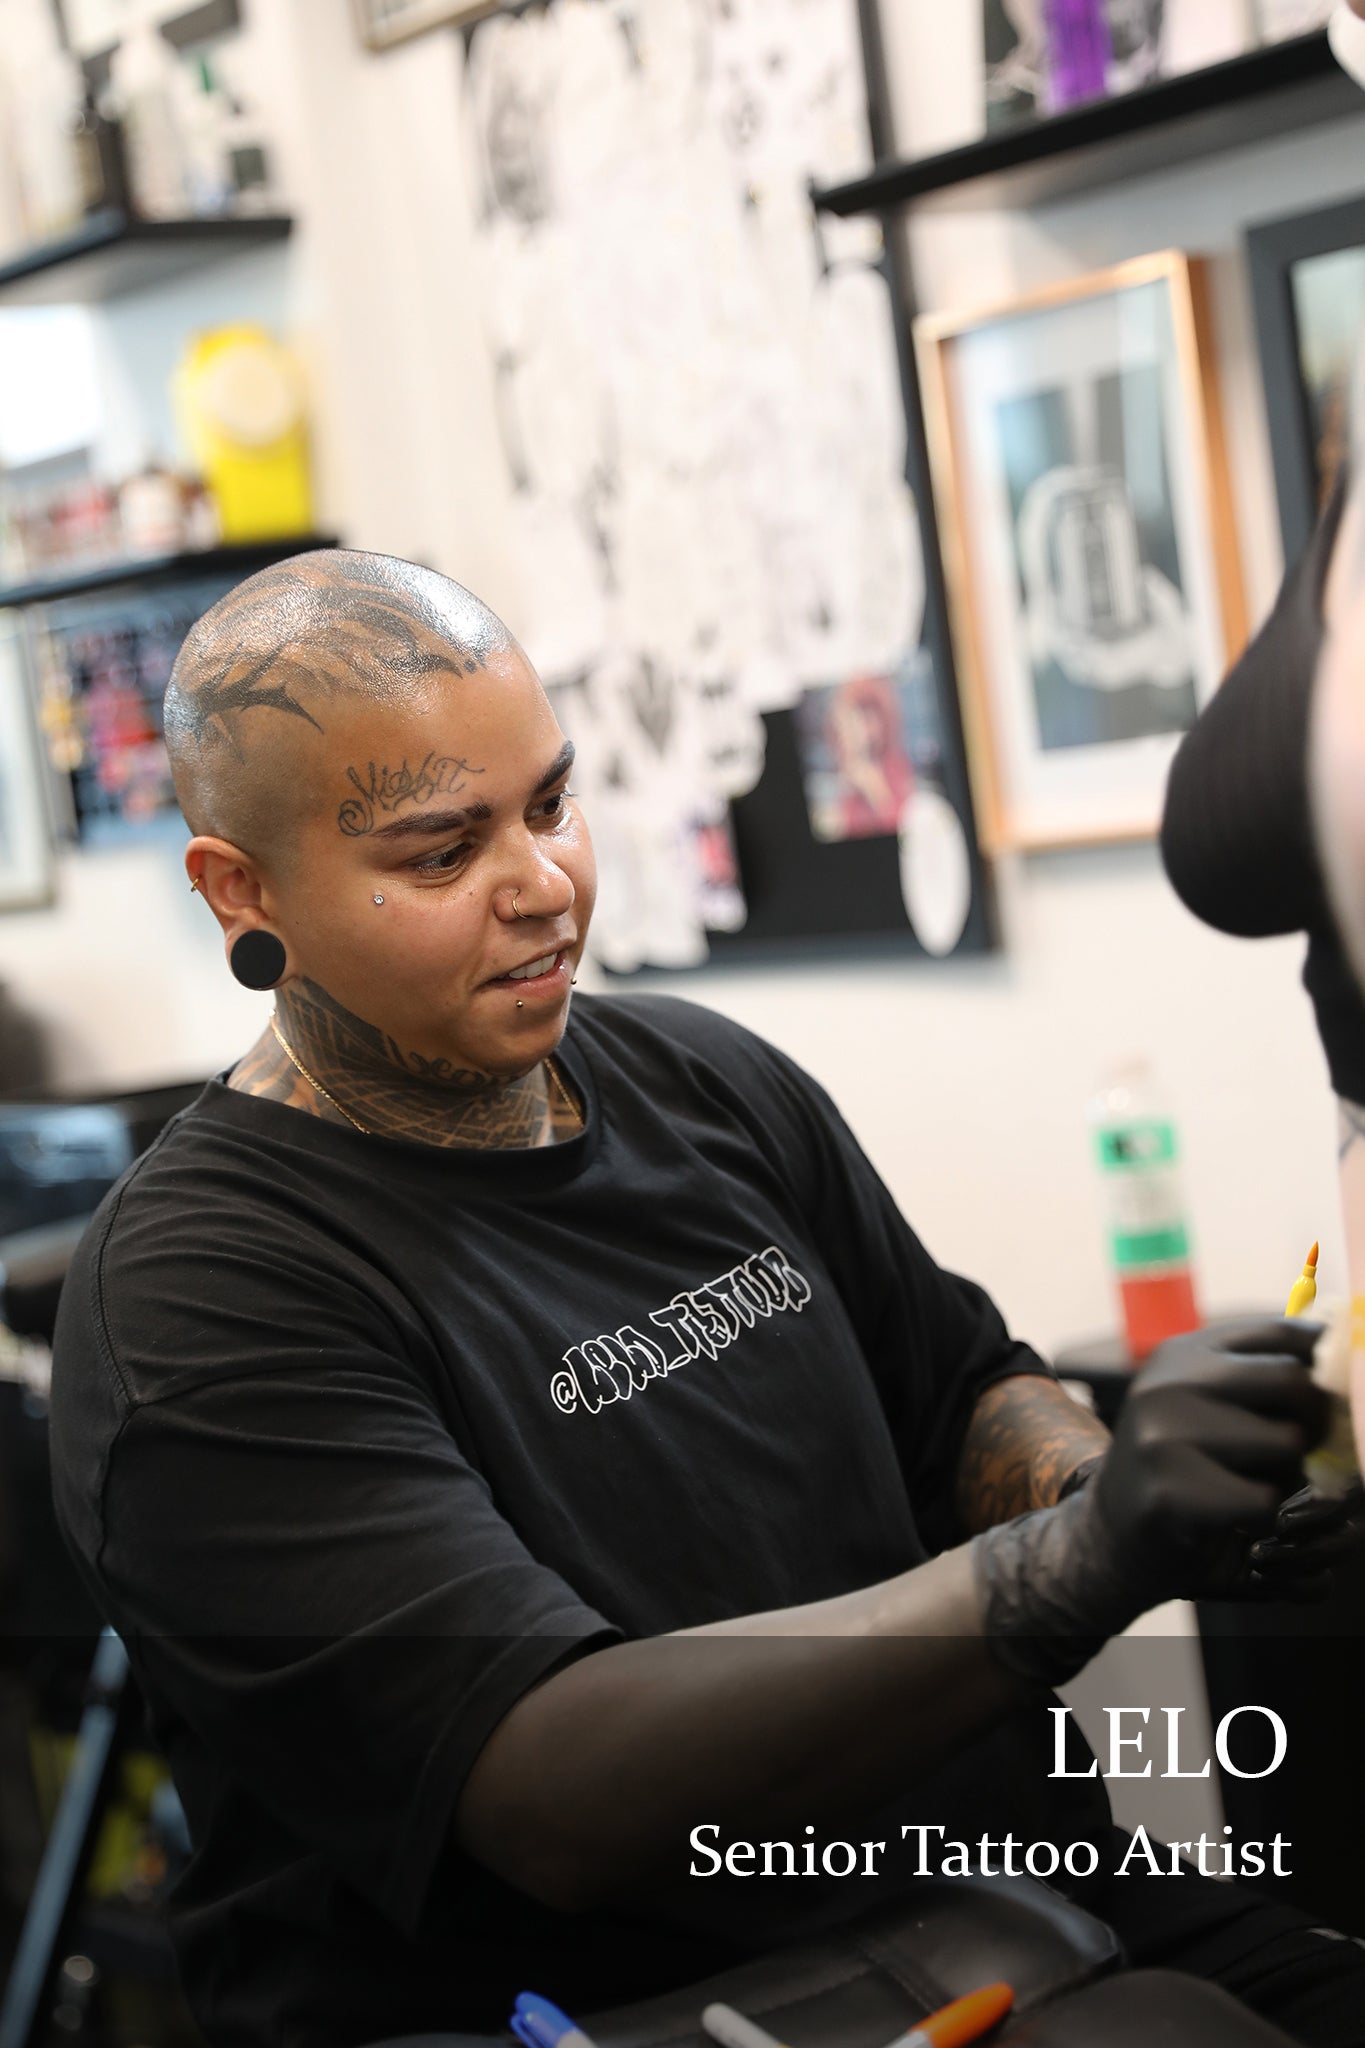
(510, 1061)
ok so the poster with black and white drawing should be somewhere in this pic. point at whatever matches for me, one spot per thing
(1097, 602)
(699, 408)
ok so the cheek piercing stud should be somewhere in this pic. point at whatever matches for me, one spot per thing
(376, 899)
(518, 1002)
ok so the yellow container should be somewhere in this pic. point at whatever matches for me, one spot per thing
(239, 402)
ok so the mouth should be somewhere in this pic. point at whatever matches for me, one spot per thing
(546, 975)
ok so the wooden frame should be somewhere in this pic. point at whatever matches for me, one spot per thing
(382, 23)
(1274, 251)
(1006, 818)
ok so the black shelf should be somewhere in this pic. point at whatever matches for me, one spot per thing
(111, 254)
(1275, 91)
(239, 559)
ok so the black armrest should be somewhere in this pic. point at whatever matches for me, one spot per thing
(33, 1265)
(862, 1984)
(1142, 2007)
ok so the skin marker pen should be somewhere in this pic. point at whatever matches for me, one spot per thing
(966, 2019)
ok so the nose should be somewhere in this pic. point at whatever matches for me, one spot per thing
(536, 887)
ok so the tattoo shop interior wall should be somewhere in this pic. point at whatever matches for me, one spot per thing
(967, 1080)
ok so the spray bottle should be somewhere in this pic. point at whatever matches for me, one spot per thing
(1138, 1156)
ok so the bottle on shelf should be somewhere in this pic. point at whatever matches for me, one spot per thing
(97, 139)
(44, 95)
(203, 112)
(1138, 1156)
(142, 76)
(1079, 52)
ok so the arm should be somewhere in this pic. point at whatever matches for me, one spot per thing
(752, 1718)
(1024, 1441)
(590, 1786)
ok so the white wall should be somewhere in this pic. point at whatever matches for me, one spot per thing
(967, 1083)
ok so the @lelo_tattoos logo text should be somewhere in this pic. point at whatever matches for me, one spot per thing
(617, 1364)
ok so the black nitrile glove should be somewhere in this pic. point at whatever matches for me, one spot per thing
(1312, 1531)
(1209, 1443)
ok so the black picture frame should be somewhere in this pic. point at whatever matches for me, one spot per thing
(1274, 250)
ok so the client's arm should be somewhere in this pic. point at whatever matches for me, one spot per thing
(590, 1786)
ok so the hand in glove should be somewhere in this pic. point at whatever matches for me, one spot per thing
(1209, 1443)
(1312, 1530)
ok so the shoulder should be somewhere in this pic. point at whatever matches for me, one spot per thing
(215, 1230)
(661, 1020)
(666, 1032)
(686, 1055)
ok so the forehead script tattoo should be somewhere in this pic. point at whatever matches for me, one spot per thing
(325, 635)
(387, 788)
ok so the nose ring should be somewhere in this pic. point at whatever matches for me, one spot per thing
(515, 911)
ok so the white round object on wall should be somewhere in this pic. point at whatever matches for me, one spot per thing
(250, 395)
(936, 870)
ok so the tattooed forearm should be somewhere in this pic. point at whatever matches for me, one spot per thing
(1025, 1438)
(384, 789)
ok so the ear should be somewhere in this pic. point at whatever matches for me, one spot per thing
(227, 879)
(231, 884)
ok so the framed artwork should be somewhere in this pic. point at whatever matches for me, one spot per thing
(1096, 596)
(103, 663)
(25, 838)
(1308, 291)
(382, 23)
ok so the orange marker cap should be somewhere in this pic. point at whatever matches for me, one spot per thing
(966, 2019)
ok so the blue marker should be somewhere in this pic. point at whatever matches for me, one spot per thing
(538, 2024)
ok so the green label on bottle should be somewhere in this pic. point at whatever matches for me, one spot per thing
(1149, 1247)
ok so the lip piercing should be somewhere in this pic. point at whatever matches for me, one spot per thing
(376, 899)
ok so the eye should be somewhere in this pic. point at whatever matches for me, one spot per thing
(442, 863)
(553, 806)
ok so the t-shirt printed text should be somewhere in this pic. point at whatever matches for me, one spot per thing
(703, 1320)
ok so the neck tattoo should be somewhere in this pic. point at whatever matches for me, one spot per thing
(551, 1070)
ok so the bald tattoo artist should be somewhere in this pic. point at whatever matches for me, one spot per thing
(509, 1427)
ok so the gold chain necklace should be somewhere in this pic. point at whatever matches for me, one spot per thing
(341, 1109)
(312, 1079)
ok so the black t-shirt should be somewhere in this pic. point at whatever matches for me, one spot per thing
(359, 1439)
(1237, 829)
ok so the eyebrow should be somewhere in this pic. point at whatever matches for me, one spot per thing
(562, 763)
(428, 824)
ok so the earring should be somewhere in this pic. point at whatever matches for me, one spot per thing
(258, 959)
(194, 886)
